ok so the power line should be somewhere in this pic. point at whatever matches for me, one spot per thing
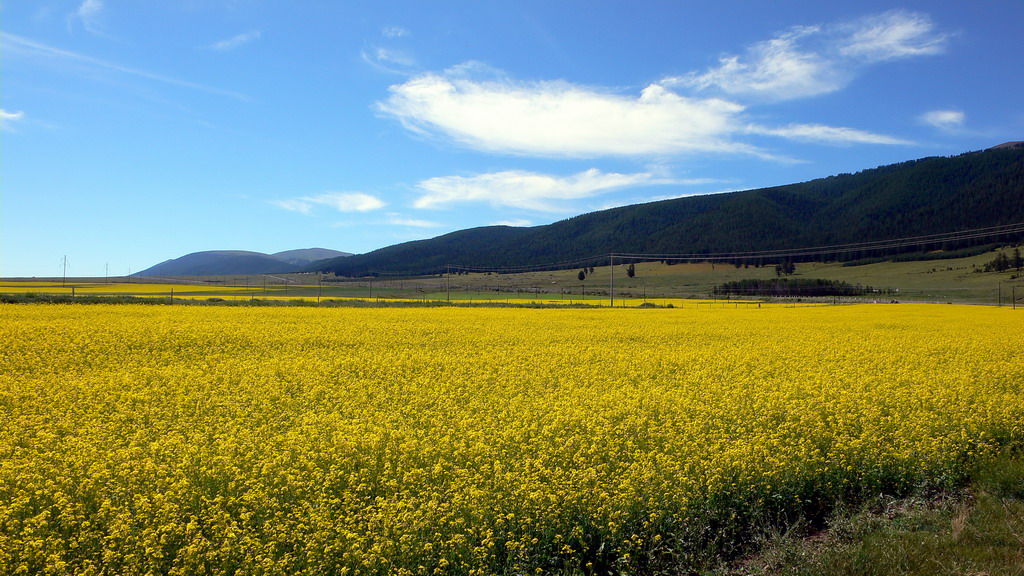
(824, 250)
(562, 265)
(975, 233)
(780, 253)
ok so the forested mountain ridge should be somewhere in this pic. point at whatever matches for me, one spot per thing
(915, 198)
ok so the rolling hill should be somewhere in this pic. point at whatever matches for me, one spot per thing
(929, 196)
(219, 262)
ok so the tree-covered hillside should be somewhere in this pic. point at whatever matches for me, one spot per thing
(917, 198)
(217, 262)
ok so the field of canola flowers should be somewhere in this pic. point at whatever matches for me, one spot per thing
(200, 291)
(204, 440)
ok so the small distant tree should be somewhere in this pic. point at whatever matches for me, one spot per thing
(582, 275)
(786, 268)
(631, 271)
(1017, 262)
(1001, 262)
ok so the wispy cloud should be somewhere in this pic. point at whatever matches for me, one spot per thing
(892, 35)
(526, 190)
(812, 60)
(236, 41)
(90, 15)
(948, 120)
(394, 32)
(826, 134)
(518, 223)
(777, 69)
(389, 60)
(8, 118)
(340, 201)
(13, 45)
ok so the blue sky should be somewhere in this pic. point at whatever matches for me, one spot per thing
(132, 132)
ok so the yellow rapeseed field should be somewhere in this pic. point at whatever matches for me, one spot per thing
(242, 440)
(148, 289)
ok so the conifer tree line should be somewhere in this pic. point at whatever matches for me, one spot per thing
(1002, 262)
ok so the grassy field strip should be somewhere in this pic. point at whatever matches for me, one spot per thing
(313, 293)
(958, 280)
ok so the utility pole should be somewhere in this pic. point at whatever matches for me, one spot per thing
(449, 279)
(64, 279)
(611, 267)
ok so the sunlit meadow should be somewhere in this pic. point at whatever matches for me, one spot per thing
(243, 440)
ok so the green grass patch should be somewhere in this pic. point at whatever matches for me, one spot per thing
(977, 531)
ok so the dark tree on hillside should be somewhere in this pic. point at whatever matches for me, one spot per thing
(788, 268)
(631, 271)
(1018, 262)
(582, 275)
(1001, 263)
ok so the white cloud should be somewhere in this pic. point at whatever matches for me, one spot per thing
(7, 118)
(236, 41)
(394, 32)
(386, 58)
(813, 60)
(519, 223)
(389, 60)
(340, 201)
(561, 119)
(774, 70)
(394, 57)
(90, 14)
(893, 35)
(944, 119)
(696, 113)
(526, 190)
(89, 9)
(825, 134)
